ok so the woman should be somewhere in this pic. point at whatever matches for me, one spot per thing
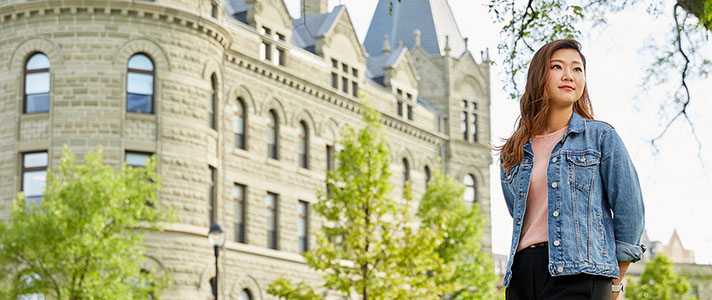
(570, 187)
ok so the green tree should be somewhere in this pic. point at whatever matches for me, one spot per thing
(466, 272)
(659, 281)
(370, 245)
(84, 240)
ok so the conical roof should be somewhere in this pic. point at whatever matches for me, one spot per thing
(433, 18)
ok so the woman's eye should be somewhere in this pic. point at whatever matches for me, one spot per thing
(556, 67)
(578, 69)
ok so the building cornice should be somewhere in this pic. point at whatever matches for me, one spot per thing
(145, 10)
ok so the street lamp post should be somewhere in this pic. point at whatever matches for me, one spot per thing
(216, 237)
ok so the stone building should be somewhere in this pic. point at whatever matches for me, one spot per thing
(242, 105)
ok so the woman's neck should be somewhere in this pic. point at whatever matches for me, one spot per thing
(558, 118)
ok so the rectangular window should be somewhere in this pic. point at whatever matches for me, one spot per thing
(266, 31)
(409, 96)
(399, 92)
(354, 72)
(329, 157)
(334, 63)
(280, 57)
(34, 176)
(137, 159)
(214, 11)
(473, 106)
(334, 80)
(268, 51)
(400, 108)
(464, 104)
(410, 112)
(280, 36)
(212, 195)
(239, 212)
(345, 67)
(354, 88)
(463, 125)
(272, 219)
(303, 226)
(473, 127)
(345, 84)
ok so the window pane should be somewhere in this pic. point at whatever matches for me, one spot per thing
(473, 127)
(345, 84)
(238, 126)
(37, 103)
(37, 83)
(302, 209)
(334, 80)
(37, 61)
(140, 62)
(238, 212)
(34, 160)
(139, 103)
(245, 295)
(140, 83)
(469, 182)
(33, 183)
(137, 159)
(464, 104)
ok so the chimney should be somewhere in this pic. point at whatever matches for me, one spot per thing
(314, 7)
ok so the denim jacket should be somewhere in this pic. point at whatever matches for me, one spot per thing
(595, 205)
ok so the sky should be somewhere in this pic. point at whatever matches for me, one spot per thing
(675, 178)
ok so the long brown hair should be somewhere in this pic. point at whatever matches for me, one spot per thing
(534, 104)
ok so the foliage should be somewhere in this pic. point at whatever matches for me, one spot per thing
(659, 281)
(84, 240)
(370, 246)
(466, 272)
(676, 59)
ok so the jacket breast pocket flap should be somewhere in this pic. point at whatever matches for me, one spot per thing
(582, 167)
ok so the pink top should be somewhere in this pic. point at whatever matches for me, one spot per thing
(534, 229)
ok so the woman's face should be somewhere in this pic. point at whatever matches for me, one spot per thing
(566, 78)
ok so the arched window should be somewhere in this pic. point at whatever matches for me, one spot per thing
(245, 295)
(239, 124)
(37, 84)
(139, 84)
(272, 134)
(303, 145)
(427, 176)
(406, 172)
(213, 106)
(470, 195)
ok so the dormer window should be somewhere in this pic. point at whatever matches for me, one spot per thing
(348, 75)
(270, 52)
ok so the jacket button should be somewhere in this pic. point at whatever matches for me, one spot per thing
(556, 243)
(554, 184)
(519, 223)
(556, 213)
(560, 269)
(553, 159)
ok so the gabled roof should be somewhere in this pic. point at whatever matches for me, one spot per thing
(375, 64)
(307, 28)
(433, 18)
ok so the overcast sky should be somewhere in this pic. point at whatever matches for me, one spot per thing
(677, 187)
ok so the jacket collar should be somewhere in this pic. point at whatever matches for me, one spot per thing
(576, 125)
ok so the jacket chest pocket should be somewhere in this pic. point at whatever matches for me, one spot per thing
(582, 169)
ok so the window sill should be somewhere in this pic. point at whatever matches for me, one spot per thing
(34, 116)
(140, 116)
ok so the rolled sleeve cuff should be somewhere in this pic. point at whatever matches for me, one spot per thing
(628, 252)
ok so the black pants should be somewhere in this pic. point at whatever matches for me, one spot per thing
(531, 280)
